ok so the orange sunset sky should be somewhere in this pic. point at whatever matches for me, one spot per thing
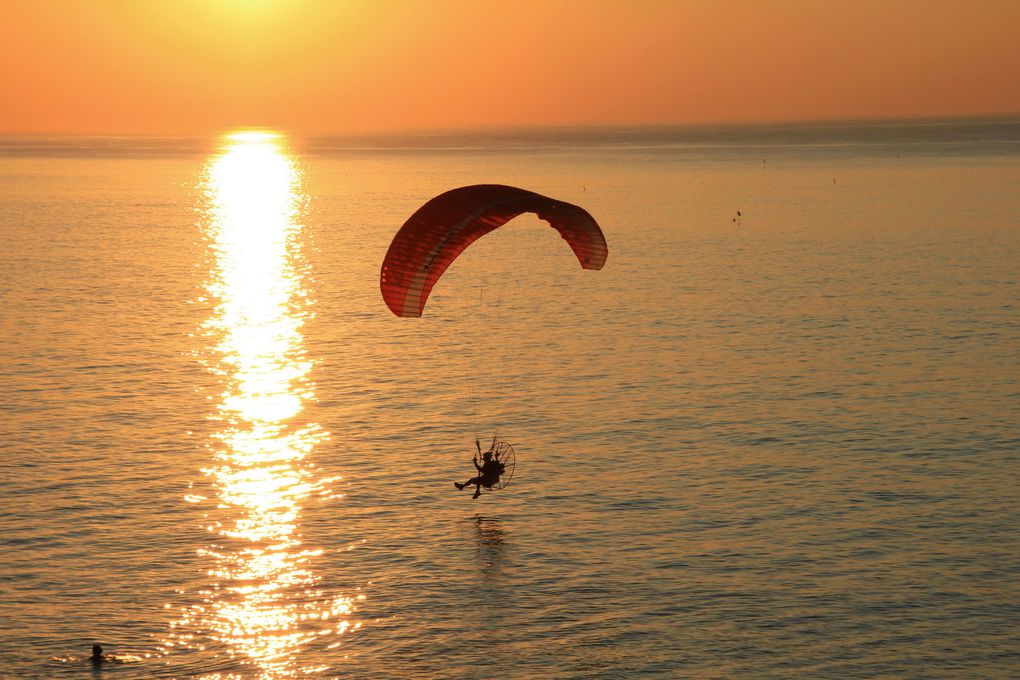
(320, 66)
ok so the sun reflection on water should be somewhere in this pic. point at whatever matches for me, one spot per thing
(263, 604)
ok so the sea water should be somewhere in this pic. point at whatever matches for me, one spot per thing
(779, 442)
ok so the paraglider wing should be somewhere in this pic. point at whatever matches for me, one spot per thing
(440, 230)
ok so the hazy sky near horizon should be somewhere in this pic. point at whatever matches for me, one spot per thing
(320, 66)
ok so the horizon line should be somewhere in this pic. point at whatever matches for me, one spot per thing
(529, 127)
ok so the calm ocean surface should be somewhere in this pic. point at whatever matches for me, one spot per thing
(780, 445)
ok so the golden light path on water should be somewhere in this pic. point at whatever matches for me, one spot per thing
(263, 604)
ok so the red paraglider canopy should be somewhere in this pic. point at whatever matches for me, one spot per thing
(440, 230)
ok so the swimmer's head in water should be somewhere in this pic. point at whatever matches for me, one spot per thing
(97, 652)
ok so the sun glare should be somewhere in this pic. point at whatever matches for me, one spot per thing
(264, 591)
(248, 137)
